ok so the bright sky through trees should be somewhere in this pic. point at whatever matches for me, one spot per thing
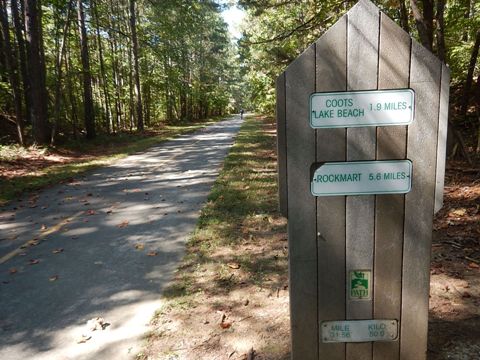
(234, 16)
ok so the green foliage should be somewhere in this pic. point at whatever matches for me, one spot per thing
(188, 65)
(276, 32)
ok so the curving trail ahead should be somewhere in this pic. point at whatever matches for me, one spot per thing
(103, 246)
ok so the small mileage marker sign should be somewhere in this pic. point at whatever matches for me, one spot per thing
(362, 108)
(362, 178)
(359, 330)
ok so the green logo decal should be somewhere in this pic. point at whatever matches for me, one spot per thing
(359, 286)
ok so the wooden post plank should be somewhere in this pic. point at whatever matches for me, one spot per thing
(393, 72)
(362, 66)
(425, 74)
(442, 137)
(300, 83)
(331, 74)
(281, 146)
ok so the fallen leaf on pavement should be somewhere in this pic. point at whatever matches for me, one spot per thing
(152, 253)
(33, 261)
(139, 246)
(57, 251)
(43, 227)
(12, 271)
(123, 224)
(97, 323)
(90, 212)
(53, 278)
(83, 339)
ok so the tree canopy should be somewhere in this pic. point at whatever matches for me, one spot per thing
(277, 31)
(81, 67)
(87, 66)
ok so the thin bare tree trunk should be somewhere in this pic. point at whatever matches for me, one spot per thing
(138, 92)
(404, 16)
(466, 16)
(102, 68)
(469, 80)
(130, 88)
(71, 97)
(423, 26)
(441, 30)
(19, 26)
(58, 67)
(115, 72)
(36, 71)
(87, 77)
(11, 65)
(477, 102)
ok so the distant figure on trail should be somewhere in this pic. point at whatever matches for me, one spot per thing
(241, 113)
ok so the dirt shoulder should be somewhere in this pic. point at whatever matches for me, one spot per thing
(454, 329)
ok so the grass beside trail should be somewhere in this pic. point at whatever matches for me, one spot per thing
(235, 269)
(95, 153)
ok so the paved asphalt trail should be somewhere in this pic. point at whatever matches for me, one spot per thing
(106, 222)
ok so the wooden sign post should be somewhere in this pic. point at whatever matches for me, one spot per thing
(362, 120)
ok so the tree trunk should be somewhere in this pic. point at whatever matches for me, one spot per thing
(89, 115)
(115, 71)
(138, 93)
(71, 97)
(43, 65)
(131, 103)
(35, 69)
(11, 65)
(441, 30)
(102, 68)
(477, 106)
(424, 27)
(2, 60)
(466, 16)
(58, 67)
(428, 16)
(469, 80)
(404, 16)
(19, 26)
(148, 92)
